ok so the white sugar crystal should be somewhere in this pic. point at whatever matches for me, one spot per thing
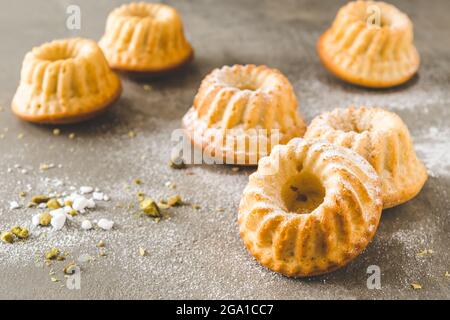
(106, 197)
(80, 204)
(90, 204)
(42, 205)
(57, 212)
(98, 196)
(67, 209)
(14, 205)
(105, 224)
(86, 189)
(86, 225)
(58, 221)
(35, 219)
(84, 258)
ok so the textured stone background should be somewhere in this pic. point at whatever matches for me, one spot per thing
(198, 253)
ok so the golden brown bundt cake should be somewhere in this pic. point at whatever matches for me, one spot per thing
(370, 43)
(381, 138)
(145, 37)
(240, 107)
(65, 81)
(310, 208)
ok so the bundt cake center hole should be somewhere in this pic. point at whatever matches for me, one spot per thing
(247, 86)
(303, 193)
(56, 55)
(142, 13)
(376, 17)
(352, 126)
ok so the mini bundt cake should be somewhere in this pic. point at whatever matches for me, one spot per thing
(241, 112)
(360, 51)
(145, 37)
(65, 81)
(381, 138)
(310, 208)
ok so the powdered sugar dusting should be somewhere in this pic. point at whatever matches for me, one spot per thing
(433, 147)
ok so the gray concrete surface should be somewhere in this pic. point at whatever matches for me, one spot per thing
(198, 253)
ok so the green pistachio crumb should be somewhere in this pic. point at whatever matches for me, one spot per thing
(53, 204)
(177, 163)
(52, 254)
(7, 237)
(45, 219)
(150, 208)
(68, 203)
(39, 199)
(70, 268)
(101, 244)
(175, 200)
(141, 196)
(19, 232)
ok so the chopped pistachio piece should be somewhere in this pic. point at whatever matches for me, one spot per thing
(150, 208)
(70, 268)
(447, 274)
(52, 254)
(68, 203)
(195, 206)
(175, 200)
(19, 232)
(177, 163)
(73, 212)
(163, 205)
(141, 196)
(7, 237)
(137, 181)
(53, 279)
(53, 204)
(416, 286)
(101, 244)
(45, 219)
(22, 194)
(40, 199)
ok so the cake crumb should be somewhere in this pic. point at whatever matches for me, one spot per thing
(142, 252)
